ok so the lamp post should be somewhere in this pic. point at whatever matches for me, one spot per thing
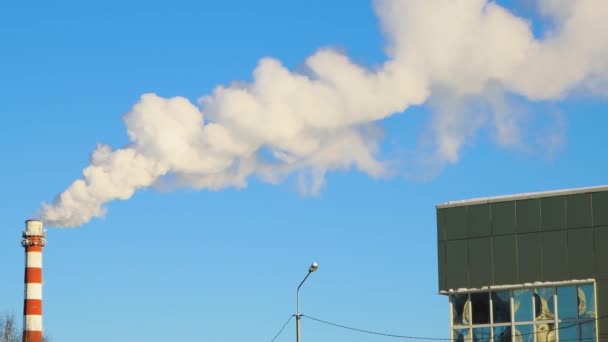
(313, 267)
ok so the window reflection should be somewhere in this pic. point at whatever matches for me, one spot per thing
(523, 333)
(461, 335)
(545, 332)
(568, 331)
(481, 308)
(522, 305)
(461, 309)
(545, 314)
(543, 303)
(481, 335)
(586, 301)
(501, 306)
(587, 330)
(502, 334)
(567, 302)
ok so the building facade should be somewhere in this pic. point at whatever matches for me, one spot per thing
(529, 267)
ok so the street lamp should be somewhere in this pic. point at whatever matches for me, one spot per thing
(313, 267)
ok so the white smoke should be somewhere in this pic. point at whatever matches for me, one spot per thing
(445, 53)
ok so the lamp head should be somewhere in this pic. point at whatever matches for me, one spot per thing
(313, 267)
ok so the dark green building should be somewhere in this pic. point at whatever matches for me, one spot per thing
(528, 267)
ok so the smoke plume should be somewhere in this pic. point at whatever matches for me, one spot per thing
(442, 53)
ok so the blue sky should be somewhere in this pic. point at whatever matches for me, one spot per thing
(224, 265)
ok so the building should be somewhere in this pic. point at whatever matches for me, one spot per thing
(528, 267)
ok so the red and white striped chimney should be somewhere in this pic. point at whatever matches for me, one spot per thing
(33, 240)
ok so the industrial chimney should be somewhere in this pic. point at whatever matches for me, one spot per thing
(33, 241)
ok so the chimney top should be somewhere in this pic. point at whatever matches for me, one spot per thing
(34, 227)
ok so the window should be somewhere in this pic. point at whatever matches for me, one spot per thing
(538, 314)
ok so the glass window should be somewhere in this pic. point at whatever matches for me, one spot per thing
(545, 314)
(480, 303)
(544, 306)
(523, 333)
(522, 305)
(482, 334)
(461, 335)
(568, 331)
(587, 330)
(567, 302)
(545, 332)
(502, 334)
(501, 306)
(460, 309)
(586, 301)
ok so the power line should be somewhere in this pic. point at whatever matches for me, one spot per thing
(449, 339)
(282, 328)
(378, 333)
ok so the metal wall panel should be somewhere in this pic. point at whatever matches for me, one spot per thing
(555, 255)
(503, 218)
(441, 235)
(480, 262)
(441, 264)
(504, 256)
(456, 223)
(548, 239)
(478, 221)
(600, 208)
(529, 258)
(600, 240)
(578, 211)
(528, 216)
(581, 263)
(602, 309)
(553, 213)
(456, 257)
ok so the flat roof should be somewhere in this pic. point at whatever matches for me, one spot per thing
(518, 286)
(529, 195)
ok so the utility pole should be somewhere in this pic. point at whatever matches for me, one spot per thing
(313, 267)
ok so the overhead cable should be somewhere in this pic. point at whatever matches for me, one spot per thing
(449, 339)
(282, 328)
